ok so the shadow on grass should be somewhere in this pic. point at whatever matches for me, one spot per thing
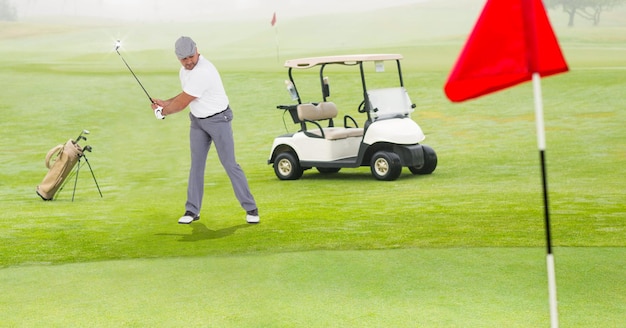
(354, 176)
(200, 232)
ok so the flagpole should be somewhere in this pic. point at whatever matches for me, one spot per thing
(541, 143)
(530, 50)
(274, 23)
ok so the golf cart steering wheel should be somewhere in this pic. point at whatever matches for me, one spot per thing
(361, 108)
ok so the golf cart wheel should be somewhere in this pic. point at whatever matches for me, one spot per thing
(328, 170)
(386, 166)
(287, 167)
(430, 162)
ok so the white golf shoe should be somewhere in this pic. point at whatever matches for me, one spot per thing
(253, 216)
(188, 218)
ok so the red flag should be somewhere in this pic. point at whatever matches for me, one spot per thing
(512, 40)
(274, 19)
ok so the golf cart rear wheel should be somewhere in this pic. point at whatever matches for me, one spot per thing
(430, 162)
(287, 167)
(386, 166)
(328, 170)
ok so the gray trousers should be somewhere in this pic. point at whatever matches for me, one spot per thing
(218, 130)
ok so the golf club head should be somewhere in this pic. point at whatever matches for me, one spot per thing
(80, 136)
(118, 44)
(87, 148)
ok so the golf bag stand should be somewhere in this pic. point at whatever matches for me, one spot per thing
(80, 158)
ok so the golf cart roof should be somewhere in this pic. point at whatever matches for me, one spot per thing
(344, 59)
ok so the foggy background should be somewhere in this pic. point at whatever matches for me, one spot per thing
(193, 10)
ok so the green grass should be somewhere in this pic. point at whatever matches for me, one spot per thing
(452, 287)
(461, 247)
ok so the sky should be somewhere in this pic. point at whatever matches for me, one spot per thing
(180, 10)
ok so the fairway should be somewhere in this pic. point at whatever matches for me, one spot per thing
(463, 247)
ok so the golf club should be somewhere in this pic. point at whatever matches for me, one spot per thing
(80, 136)
(118, 44)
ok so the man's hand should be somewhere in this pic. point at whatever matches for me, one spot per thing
(159, 102)
(157, 107)
(158, 112)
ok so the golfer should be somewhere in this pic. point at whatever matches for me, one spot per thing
(211, 116)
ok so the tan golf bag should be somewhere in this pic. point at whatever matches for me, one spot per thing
(60, 161)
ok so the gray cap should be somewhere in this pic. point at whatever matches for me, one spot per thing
(185, 47)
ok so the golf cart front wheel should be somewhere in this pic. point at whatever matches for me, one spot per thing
(430, 162)
(287, 167)
(386, 166)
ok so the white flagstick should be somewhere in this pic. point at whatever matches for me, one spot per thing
(541, 143)
(541, 134)
(554, 311)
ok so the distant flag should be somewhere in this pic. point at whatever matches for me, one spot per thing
(273, 22)
(512, 42)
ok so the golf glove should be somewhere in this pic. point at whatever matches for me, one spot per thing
(158, 112)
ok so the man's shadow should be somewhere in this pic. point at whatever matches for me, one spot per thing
(200, 232)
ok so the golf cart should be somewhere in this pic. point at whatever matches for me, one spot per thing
(388, 140)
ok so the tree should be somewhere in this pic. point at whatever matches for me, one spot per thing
(7, 11)
(587, 9)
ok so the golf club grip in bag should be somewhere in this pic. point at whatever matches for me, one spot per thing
(64, 159)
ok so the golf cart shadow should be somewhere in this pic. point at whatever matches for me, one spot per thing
(200, 232)
(348, 175)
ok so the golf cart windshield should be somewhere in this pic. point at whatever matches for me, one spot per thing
(389, 103)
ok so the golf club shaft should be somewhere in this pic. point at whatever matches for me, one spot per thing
(135, 76)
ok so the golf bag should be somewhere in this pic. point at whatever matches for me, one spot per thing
(60, 161)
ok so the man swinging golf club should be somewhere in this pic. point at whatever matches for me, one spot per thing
(211, 116)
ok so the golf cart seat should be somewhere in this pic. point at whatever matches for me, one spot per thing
(352, 131)
(310, 113)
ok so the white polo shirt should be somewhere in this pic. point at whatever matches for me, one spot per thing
(204, 83)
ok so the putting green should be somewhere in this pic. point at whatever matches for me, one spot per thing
(455, 287)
